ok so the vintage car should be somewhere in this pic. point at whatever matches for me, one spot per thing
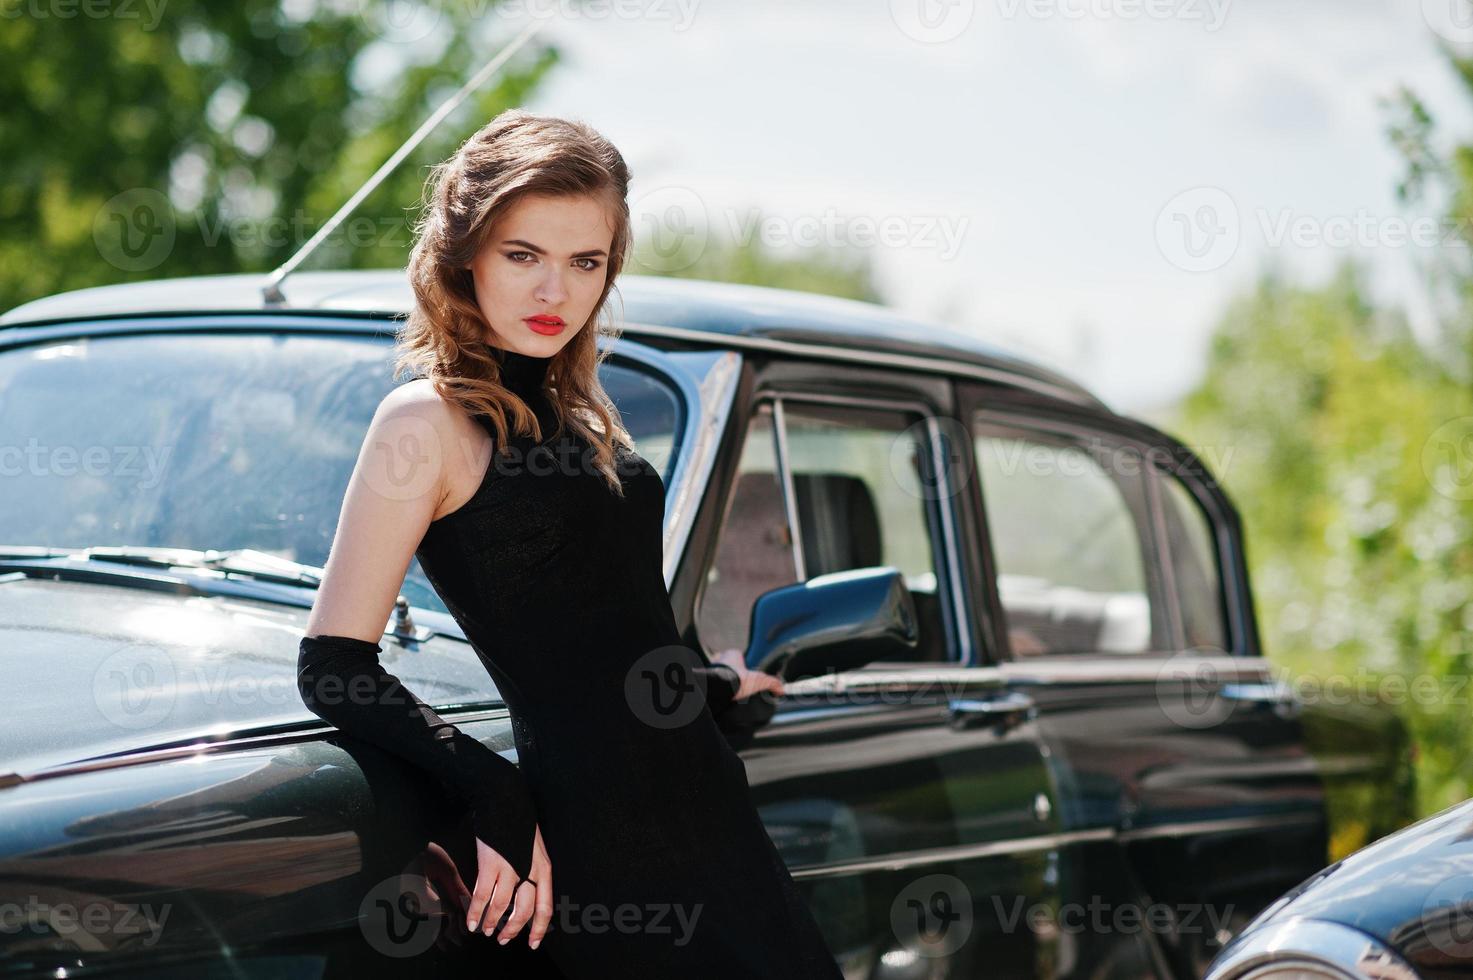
(1028, 729)
(1399, 909)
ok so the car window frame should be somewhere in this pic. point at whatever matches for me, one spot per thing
(1164, 620)
(1225, 556)
(1027, 411)
(942, 519)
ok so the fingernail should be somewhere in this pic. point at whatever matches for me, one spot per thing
(470, 924)
(535, 942)
(503, 940)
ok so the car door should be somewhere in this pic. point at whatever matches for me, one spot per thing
(905, 796)
(1121, 610)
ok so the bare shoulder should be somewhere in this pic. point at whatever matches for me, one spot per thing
(438, 430)
(419, 394)
(418, 403)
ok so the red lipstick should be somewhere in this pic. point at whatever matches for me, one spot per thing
(544, 323)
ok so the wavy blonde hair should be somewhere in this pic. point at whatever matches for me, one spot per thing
(445, 338)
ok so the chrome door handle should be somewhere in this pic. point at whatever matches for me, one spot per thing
(1006, 711)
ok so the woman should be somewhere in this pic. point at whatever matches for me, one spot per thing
(509, 475)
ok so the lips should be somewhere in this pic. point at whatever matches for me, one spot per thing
(545, 324)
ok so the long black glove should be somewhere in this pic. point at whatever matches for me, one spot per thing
(343, 683)
(721, 684)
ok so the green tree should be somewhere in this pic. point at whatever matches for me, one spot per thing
(1346, 435)
(218, 137)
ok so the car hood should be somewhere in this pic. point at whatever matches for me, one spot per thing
(1412, 889)
(95, 670)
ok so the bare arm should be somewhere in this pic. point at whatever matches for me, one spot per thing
(397, 485)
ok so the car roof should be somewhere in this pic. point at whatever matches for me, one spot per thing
(688, 309)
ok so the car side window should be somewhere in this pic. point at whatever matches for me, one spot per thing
(1066, 520)
(1195, 564)
(754, 548)
(858, 476)
(859, 495)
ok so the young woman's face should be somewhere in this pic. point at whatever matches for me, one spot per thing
(542, 271)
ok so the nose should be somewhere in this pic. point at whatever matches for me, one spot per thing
(550, 286)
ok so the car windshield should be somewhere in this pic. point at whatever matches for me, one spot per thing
(219, 440)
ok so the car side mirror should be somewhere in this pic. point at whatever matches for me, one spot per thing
(832, 622)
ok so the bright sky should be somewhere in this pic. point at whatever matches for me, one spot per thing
(1084, 181)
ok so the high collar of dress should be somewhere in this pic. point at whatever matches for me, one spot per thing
(522, 373)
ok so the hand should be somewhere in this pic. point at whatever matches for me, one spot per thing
(753, 681)
(495, 882)
(447, 892)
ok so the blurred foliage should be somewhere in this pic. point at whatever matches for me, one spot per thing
(1350, 448)
(232, 131)
(1344, 444)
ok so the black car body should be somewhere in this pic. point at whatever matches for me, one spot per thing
(1399, 909)
(1028, 728)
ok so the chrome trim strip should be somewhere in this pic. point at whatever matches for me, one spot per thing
(717, 393)
(204, 746)
(1300, 941)
(1223, 825)
(899, 861)
(945, 679)
(1155, 502)
(961, 621)
(1134, 670)
(937, 365)
(790, 496)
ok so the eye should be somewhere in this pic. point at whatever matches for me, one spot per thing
(513, 256)
(592, 266)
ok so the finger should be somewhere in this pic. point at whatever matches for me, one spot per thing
(501, 898)
(481, 897)
(543, 915)
(525, 903)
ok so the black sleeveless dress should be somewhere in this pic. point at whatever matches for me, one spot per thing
(661, 866)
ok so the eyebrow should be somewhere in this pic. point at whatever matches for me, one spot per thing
(591, 253)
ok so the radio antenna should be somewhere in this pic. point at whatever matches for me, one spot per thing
(271, 292)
